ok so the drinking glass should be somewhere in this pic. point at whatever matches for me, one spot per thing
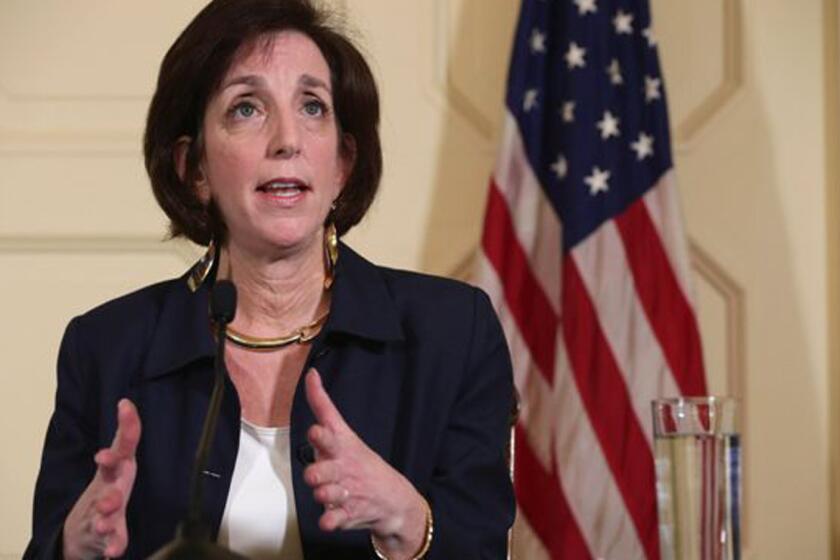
(697, 449)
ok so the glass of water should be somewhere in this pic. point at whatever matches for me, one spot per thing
(697, 448)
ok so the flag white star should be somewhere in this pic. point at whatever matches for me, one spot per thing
(537, 41)
(608, 125)
(560, 167)
(568, 111)
(614, 71)
(530, 100)
(648, 34)
(643, 146)
(575, 56)
(585, 6)
(597, 181)
(652, 86)
(623, 23)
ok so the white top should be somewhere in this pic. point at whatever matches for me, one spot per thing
(260, 519)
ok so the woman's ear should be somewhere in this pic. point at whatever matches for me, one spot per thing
(181, 154)
(347, 154)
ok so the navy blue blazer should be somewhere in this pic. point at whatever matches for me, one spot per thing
(417, 365)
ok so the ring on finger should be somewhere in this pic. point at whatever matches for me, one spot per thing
(345, 493)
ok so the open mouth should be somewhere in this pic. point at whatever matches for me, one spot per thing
(283, 188)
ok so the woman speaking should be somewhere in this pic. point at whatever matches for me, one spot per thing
(367, 409)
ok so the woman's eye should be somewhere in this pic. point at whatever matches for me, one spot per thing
(314, 108)
(244, 110)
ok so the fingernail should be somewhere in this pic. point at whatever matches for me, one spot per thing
(311, 478)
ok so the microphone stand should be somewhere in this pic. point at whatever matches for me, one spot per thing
(192, 538)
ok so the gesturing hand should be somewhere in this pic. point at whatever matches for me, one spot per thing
(96, 526)
(357, 487)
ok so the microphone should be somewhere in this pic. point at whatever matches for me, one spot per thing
(223, 303)
(192, 539)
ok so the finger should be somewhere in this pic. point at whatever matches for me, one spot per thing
(333, 519)
(323, 440)
(106, 458)
(117, 542)
(321, 472)
(319, 401)
(111, 501)
(103, 526)
(332, 494)
(108, 464)
(128, 430)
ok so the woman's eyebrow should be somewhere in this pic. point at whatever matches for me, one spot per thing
(310, 81)
(248, 80)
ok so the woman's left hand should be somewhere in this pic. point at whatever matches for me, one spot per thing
(357, 487)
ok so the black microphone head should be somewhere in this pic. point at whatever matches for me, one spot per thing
(223, 302)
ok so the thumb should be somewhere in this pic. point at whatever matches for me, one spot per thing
(128, 430)
(319, 401)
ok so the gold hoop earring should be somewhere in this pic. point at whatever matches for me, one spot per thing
(201, 269)
(330, 253)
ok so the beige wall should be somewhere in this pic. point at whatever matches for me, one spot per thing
(753, 94)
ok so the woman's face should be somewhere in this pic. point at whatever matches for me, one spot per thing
(272, 161)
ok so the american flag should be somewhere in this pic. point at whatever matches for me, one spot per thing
(584, 257)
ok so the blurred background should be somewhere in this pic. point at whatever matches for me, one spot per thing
(753, 96)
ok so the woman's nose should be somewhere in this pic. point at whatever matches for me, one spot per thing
(285, 138)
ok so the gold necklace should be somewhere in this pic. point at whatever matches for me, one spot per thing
(301, 335)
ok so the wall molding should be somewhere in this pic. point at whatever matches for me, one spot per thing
(731, 81)
(831, 68)
(708, 270)
(96, 245)
(445, 88)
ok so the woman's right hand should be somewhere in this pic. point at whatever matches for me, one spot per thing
(96, 525)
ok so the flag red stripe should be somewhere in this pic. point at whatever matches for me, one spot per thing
(609, 407)
(665, 304)
(543, 503)
(528, 304)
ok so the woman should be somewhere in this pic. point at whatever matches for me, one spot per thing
(262, 143)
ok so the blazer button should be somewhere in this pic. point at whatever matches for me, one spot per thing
(305, 454)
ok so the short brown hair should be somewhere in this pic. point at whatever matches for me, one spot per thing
(191, 73)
